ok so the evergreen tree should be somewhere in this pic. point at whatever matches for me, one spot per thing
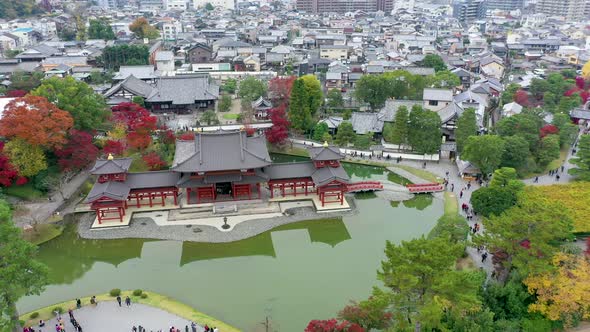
(299, 112)
(399, 133)
(582, 159)
(466, 126)
(424, 131)
(345, 134)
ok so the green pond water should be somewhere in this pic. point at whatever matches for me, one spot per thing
(291, 274)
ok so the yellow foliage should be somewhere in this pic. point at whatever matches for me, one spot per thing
(563, 293)
(575, 196)
(118, 133)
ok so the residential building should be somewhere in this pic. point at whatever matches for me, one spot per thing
(108, 4)
(437, 99)
(199, 53)
(469, 10)
(165, 61)
(171, 29)
(571, 10)
(175, 5)
(334, 52)
(150, 5)
(226, 4)
(8, 41)
(507, 5)
(327, 6)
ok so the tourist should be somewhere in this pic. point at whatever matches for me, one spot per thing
(206, 327)
(215, 329)
(424, 165)
(128, 301)
(41, 323)
(78, 303)
(186, 328)
(71, 314)
(93, 300)
(134, 329)
(119, 300)
(536, 179)
(140, 328)
(557, 177)
(468, 185)
(57, 328)
(193, 327)
(452, 187)
(562, 168)
(484, 256)
(461, 194)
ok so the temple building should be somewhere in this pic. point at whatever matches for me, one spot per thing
(214, 167)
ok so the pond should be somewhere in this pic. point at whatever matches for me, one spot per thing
(291, 274)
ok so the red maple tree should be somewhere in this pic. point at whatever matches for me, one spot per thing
(130, 114)
(78, 153)
(37, 121)
(279, 89)
(279, 132)
(548, 129)
(8, 172)
(332, 325)
(139, 140)
(115, 148)
(140, 124)
(167, 136)
(153, 161)
(16, 93)
(521, 97)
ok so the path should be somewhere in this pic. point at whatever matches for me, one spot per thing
(108, 316)
(41, 211)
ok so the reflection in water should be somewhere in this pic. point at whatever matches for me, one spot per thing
(419, 202)
(70, 256)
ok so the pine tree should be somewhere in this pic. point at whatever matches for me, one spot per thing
(299, 112)
(399, 134)
(466, 126)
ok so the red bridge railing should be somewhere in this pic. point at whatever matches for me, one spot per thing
(364, 186)
(425, 188)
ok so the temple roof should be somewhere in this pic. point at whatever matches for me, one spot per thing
(111, 166)
(220, 151)
(325, 175)
(114, 190)
(324, 153)
(320, 176)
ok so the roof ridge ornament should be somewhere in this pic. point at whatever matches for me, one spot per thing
(110, 157)
(326, 144)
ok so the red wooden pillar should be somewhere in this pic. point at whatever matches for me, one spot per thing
(233, 191)
(188, 195)
(270, 186)
(150, 198)
(98, 216)
(175, 193)
(258, 189)
(294, 186)
(283, 189)
(137, 200)
(120, 214)
(341, 197)
(305, 188)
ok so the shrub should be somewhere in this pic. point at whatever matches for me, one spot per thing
(115, 292)
(137, 292)
(34, 315)
(144, 295)
(22, 322)
(58, 309)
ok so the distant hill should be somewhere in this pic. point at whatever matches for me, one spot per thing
(10, 9)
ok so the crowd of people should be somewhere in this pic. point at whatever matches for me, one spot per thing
(193, 328)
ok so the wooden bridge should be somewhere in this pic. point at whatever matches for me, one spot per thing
(364, 186)
(425, 188)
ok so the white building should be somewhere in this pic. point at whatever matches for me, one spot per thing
(171, 29)
(164, 61)
(8, 41)
(226, 4)
(175, 5)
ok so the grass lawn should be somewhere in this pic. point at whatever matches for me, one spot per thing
(555, 164)
(26, 192)
(153, 299)
(44, 233)
(426, 175)
(231, 116)
(451, 204)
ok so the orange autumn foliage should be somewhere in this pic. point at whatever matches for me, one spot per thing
(37, 121)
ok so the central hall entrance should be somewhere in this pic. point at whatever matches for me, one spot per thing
(223, 189)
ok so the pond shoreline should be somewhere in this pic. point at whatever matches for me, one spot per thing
(146, 228)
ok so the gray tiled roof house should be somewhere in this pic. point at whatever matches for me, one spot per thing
(183, 90)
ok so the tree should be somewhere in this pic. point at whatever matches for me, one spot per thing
(424, 133)
(230, 86)
(345, 134)
(525, 125)
(466, 126)
(372, 89)
(279, 89)
(142, 29)
(567, 130)
(139, 100)
(279, 132)
(363, 141)
(78, 153)
(153, 161)
(335, 99)
(521, 97)
(443, 79)
(8, 173)
(88, 109)
(22, 8)
(21, 274)
(332, 325)
(133, 117)
(529, 233)
(115, 148)
(225, 103)
(453, 228)
(28, 159)
(25, 81)
(503, 177)
(369, 314)
(122, 55)
(434, 61)
(299, 112)
(489, 201)
(422, 283)
(562, 293)
(209, 6)
(251, 89)
(398, 134)
(548, 150)
(516, 152)
(582, 160)
(485, 152)
(100, 29)
(538, 87)
(508, 94)
(313, 92)
(209, 117)
(36, 121)
(319, 131)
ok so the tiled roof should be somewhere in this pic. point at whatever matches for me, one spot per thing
(114, 166)
(184, 90)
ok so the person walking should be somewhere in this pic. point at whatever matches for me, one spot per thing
(119, 300)
(484, 256)
(536, 179)
(461, 194)
(452, 187)
(127, 301)
(71, 314)
(78, 303)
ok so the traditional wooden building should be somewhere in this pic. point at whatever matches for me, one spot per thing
(221, 166)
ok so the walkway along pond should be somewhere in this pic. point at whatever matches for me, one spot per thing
(292, 274)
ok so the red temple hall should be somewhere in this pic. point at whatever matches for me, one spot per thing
(221, 166)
